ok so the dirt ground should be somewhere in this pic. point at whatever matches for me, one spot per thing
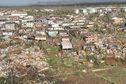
(85, 79)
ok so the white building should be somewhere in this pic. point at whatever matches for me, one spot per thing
(77, 11)
(66, 44)
(26, 23)
(1, 14)
(10, 26)
(30, 18)
(20, 14)
(40, 37)
(7, 33)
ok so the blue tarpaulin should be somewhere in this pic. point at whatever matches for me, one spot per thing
(53, 33)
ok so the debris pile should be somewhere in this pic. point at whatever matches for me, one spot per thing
(20, 63)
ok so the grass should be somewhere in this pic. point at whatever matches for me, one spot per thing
(2, 80)
(51, 48)
(115, 75)
(63, 67)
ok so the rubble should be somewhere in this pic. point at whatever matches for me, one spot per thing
(98, 32)
(28, 57)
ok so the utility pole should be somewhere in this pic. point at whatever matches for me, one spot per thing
(12, 76)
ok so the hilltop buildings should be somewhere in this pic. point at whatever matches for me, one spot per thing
(87, 35)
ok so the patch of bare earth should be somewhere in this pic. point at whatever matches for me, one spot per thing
(85, 79)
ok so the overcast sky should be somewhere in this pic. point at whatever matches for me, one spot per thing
(26, 2)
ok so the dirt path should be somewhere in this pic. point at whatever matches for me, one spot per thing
(97, 70)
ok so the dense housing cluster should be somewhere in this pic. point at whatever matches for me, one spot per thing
(90, 35)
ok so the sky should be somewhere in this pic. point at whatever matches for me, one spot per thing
(27, 2)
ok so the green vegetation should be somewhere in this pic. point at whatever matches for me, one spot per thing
(63, 11)
(38, 13)
(52, 48)
(10, 80)
(15, 42)
(58, 12)
(1, 38)
(115, 75)
(4, 45)
(2, 80)
(63, 67)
